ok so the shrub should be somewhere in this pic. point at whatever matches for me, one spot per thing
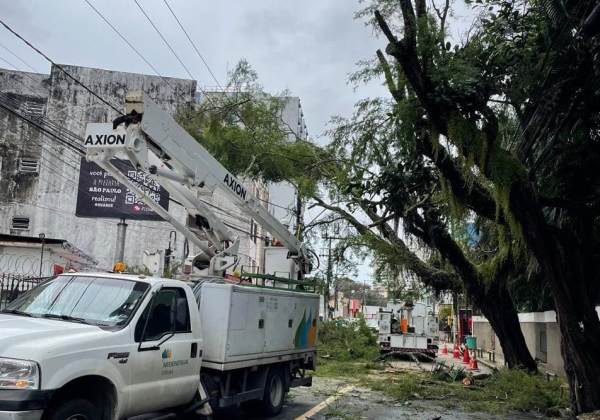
(347, 340)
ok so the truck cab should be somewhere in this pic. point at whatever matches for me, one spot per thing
(102, 345)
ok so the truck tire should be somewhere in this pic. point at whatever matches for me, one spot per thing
(274, 393)
(77, 409)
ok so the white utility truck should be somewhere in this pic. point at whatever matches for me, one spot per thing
(408, 328)
(103, 346)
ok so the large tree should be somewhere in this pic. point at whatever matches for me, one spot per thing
(383, 177)
(516, 109)
(374, 165)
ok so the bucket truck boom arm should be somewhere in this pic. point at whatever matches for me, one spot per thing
(154, 142)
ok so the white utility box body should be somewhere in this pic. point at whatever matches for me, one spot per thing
(248, 325)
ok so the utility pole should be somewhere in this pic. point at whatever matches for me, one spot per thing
(328, 275)
(299, 223)
(330, 263)
(42, 237)
(120, 245)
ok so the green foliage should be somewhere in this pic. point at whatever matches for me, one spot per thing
(345, 369)
(139, 269)
(242, 128)
(505, 391)
(172, 270)
(445, 373)
(347, 341)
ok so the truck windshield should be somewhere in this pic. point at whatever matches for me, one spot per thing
(91, 300)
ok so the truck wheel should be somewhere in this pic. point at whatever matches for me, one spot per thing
(274, 393)
(77, 409)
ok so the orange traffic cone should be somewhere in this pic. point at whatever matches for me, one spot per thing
(456, 352)
(445, 349)
(473, 365)
(466, 359)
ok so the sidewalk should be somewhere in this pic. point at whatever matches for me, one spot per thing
(484, 366)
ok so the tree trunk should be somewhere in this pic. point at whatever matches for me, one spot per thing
(494, 300)
(504, 320)
(580, 330)
(580, 350)
(565, 260)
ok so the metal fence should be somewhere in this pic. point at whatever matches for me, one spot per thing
(12, 285)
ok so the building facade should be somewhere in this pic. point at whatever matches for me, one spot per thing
(39, 175)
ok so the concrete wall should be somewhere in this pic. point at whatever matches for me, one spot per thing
(535, 326)
(18, 140)
(24, 259)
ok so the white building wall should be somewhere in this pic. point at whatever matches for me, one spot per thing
(283, 194)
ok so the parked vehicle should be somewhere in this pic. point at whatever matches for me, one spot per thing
(101, 346)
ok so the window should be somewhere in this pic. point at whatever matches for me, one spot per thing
(33, 108)
(28, 165)
(20, 223)
(169, 313)
(95, 300)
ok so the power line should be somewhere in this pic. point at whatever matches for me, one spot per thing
(164, 39)
(18, 58)
(9, 63)
(40, 127)
(69, 75)
(193, 44)
(129, 43)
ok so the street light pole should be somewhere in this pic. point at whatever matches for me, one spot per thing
(42, 237)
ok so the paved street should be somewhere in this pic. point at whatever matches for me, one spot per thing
(362, 403)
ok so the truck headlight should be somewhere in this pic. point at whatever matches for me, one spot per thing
(19, 374)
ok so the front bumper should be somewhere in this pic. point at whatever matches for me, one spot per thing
(21, 415)
(23, 404)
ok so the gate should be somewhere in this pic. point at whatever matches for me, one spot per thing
(12, 285)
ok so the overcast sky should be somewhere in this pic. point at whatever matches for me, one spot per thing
(307, 47)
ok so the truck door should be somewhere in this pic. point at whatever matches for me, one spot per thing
(166, 365)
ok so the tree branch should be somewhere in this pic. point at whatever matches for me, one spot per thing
(476, 197)
(433, 277)
(389, 78)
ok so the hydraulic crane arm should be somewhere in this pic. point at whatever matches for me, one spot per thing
(155, 143)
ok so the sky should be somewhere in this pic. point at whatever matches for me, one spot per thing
(307, 47)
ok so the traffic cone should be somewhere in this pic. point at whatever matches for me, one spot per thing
(466, 359)
(473, 365)
(445, 349)
(456, 352)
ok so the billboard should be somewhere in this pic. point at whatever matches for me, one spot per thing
(100, 195)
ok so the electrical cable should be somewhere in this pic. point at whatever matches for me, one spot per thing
(58, 66)
(193, 44)
(18, 58)
(18, 69)
(164, 39)
(139, 54)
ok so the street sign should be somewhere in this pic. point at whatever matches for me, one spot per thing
(100, 195)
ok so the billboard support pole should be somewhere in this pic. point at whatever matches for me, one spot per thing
(120, 245)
